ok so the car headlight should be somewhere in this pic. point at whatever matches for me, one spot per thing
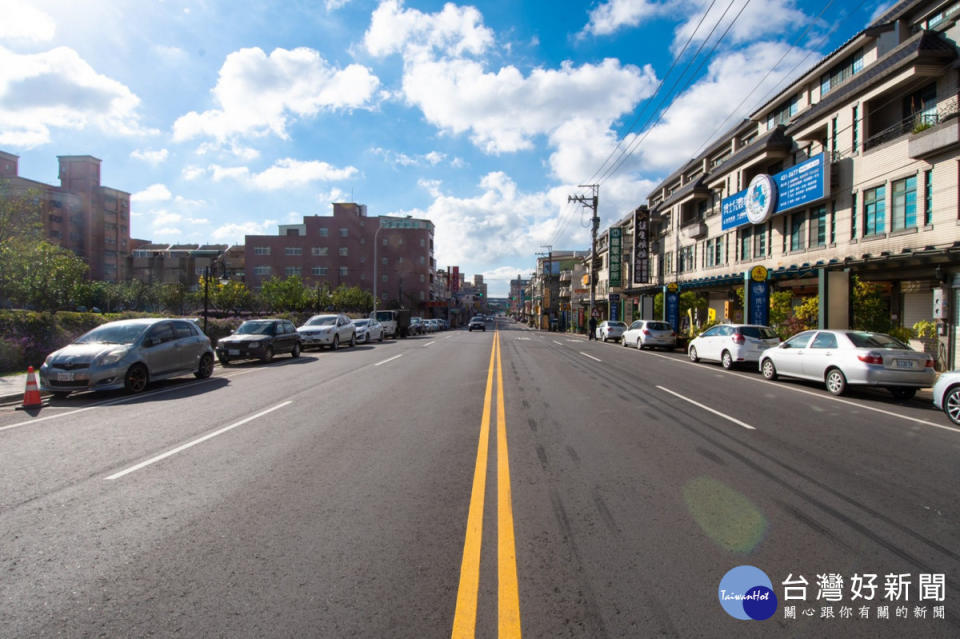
(255, 344)
(111, 357)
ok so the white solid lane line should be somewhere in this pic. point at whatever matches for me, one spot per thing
(590, 356)
(557, 343)
(708, 409)
(389, 359)
(428, 344)
(199, 440)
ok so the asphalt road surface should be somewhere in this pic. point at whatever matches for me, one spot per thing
(501, 483)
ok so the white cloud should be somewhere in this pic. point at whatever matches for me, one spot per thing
(610, 16)
(453, 31)
(433, 158)
(697, 115)
(150, 157)
(285, 173)
(58, 88)
(502, 111)
(235, 231)
(191, 173)
(169, 54)
(153, 193)
(333, 5)
(22, 22)
(258, 95)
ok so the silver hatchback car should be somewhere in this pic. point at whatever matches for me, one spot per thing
(128, 354)
(843, 357)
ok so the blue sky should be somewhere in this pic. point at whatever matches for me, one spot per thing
(225, 118)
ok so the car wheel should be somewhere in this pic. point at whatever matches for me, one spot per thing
(353, 340)
(295, 353)
(639, 344)
(903, 392)
(726, 360)
(268, 354)
(381, 338)
(623, 342)
(224, 360)
(836, 382)
(336, 343)
(951, 404)
(693, 354)
(768, 370)
(205, 369)
(136, 378)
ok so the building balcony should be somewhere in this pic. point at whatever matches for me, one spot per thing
(565, 292)
(936, 132)
(694, 230)
(566, 276)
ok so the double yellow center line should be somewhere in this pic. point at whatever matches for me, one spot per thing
(508, 598)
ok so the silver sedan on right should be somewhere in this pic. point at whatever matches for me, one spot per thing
(843, 357)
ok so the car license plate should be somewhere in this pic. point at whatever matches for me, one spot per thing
(233, 351)
(64, 377)
(904, 363)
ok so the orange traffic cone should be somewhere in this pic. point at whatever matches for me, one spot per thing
(31, 396)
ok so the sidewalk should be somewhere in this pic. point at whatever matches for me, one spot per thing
(12, 387)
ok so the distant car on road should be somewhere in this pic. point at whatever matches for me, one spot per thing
(840, 358)
(732, 344)
(478, 324)
(649, 333)
(416, 326)
(260, 339)
(128, 354)
(610, 329)
(330, 330)
(368, 330)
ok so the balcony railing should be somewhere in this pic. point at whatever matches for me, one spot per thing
(914, 123)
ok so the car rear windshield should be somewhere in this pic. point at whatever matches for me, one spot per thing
(114, 334)
(758, 332)
(618, 324)
(659, 326)
(874, 340)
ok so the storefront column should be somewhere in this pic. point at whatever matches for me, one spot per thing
(834, 292)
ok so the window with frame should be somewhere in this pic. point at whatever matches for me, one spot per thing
(841, 73)
(344, 271)
(796, 231)
(343, 251)
(760, 241)
(344, 232)
(928, 197)
(784, 113)
(818, 226)
(293, 250)
(874, 211)
(291, 271)
(668, 262)
(320, 271)
(319, 251)
(854, 216)
(746, 243)
(323, 231)
(261, 250)
(856, 129)
(261, 270)
(903, 214)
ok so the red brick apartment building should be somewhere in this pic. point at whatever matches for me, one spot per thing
(352, 249)
(91, 220)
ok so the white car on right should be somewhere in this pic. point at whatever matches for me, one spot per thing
(946, 395)
(840, 358)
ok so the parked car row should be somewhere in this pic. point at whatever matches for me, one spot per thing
(837, 358)
(129, 354)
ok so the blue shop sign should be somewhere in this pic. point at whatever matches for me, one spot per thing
(797, 186)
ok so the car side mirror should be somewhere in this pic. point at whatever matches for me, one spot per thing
(784, 345)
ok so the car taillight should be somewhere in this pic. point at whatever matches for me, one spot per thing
(929, 363)
(646, 332)
(871, 358)
(739, 339)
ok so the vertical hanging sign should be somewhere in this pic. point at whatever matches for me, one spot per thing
(757, 291)
(616, 253)
(671, 306)
(641, 247)
(614, 307)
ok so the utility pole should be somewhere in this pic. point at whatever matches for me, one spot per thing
(549, 281)
(595, 226)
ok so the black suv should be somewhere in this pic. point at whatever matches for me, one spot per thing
(260, 339)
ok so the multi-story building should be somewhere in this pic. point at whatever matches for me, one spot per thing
(91, 220)
(517, 293)
(391, 256)
(852, 170)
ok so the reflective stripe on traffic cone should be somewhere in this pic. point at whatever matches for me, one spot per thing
(31, 396)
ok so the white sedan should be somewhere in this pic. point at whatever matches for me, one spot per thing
(368, 330)
(328, 330)
(610, 329)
